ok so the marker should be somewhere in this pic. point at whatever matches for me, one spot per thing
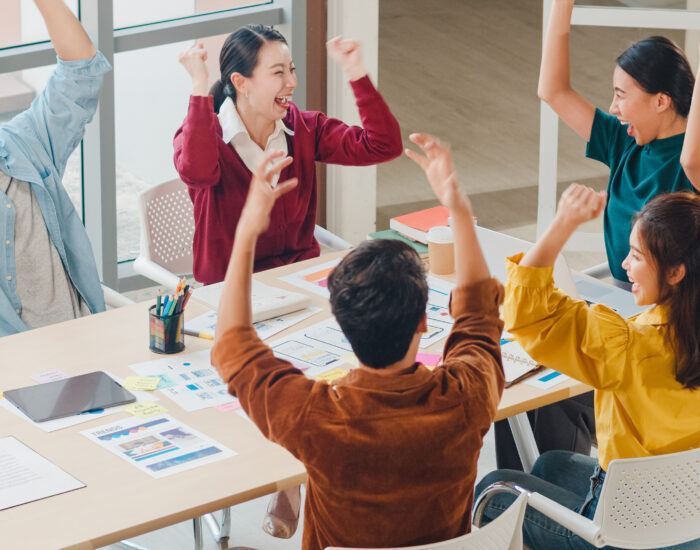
(204, 335)
(158, 305)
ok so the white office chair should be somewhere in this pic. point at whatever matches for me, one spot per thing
(114, 299)
(504, 533)
(167, 230)
(645, 503)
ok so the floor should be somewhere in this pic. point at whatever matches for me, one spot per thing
(467, 72)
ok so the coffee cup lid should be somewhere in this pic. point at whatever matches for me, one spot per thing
(440, 234)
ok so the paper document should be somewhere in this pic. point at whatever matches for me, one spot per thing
(159, 446)
(206, 323)
(266, 301)
(26, 476)
(193, 382)
(313, 279)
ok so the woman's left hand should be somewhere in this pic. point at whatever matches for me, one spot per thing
(348, 54)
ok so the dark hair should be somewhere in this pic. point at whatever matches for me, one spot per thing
(659, 65)
(239, 54)
(378, 296)
(669, 228)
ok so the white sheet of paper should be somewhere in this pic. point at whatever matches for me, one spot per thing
(207, 322)
(26, 476)
(312, 279)
(196, 386)
(66, 422)
(159, 445)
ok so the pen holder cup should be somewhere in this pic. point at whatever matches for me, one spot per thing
(166, 334)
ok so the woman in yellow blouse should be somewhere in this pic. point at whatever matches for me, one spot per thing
(645, 370)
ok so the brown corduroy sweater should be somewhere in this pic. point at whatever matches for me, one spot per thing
(390, 454)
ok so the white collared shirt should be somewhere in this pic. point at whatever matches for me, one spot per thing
(235, 132)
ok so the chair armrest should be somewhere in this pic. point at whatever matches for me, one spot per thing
(574, 522)
(600, 271)
(114, 299)
(330, 240)
(153, 271)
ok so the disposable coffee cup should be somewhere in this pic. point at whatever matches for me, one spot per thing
(441, 250)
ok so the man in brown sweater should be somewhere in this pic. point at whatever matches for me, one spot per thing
(391, 449)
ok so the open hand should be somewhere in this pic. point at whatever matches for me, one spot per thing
(438, 167)
(348, 54)
(255, 217)
(579, 204)
(194, 60)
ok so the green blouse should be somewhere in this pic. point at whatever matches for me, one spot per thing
(637, 174)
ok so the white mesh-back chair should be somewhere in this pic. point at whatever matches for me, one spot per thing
(645, 503)
(504, 533)
(167, 231)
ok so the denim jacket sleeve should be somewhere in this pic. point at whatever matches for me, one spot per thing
(49, 131)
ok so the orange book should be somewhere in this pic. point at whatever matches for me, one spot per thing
(416, 224)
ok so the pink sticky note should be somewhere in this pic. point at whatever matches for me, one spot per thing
(232, 406)
(430, 359)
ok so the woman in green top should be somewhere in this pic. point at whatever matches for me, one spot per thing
(651, 138)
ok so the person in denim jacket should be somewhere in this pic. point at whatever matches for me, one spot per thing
(47, 268)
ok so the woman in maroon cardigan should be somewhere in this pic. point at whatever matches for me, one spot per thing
(215, 154)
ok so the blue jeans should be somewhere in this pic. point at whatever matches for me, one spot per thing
(571, 479)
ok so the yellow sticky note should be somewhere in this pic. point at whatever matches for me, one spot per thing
(350, 359)
(331, 376)
(145, 409)
(2, 395)
(141, 383)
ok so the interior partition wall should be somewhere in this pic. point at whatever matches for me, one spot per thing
(645, 14)
(127, 31)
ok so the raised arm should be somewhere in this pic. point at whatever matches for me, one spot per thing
(68, 37)
(555, 82)
(234, 305)
(379, 137)
(470, 265)
(578, 204)
(196, 142)
(690, 155)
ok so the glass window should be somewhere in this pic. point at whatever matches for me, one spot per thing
(17, 90)
(129, 13)
(21, 22)
(150, 105)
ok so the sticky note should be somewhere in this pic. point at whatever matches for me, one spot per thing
(50, 376)
(332, 375)
(2, 395)
(429, 359)
(141, 383)
(232, 406)
(145, 409)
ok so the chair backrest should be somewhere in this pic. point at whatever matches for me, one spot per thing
(651, 502)
(167, 226)
(503, 533)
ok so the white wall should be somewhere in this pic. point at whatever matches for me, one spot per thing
(351, 191)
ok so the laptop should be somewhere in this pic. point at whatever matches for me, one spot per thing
(498, 246)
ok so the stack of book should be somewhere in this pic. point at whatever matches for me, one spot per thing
(413, 228)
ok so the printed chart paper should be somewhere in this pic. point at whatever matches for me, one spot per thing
(194, 382)
(313, 279)
(160, 446)
(546, 379)
(26, 476)
(437, 310)
(206, 323)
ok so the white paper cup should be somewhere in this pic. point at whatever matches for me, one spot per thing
(441, 250)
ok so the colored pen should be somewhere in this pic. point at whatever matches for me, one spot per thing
(204, 335)
(165, 305)
(158, 305)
